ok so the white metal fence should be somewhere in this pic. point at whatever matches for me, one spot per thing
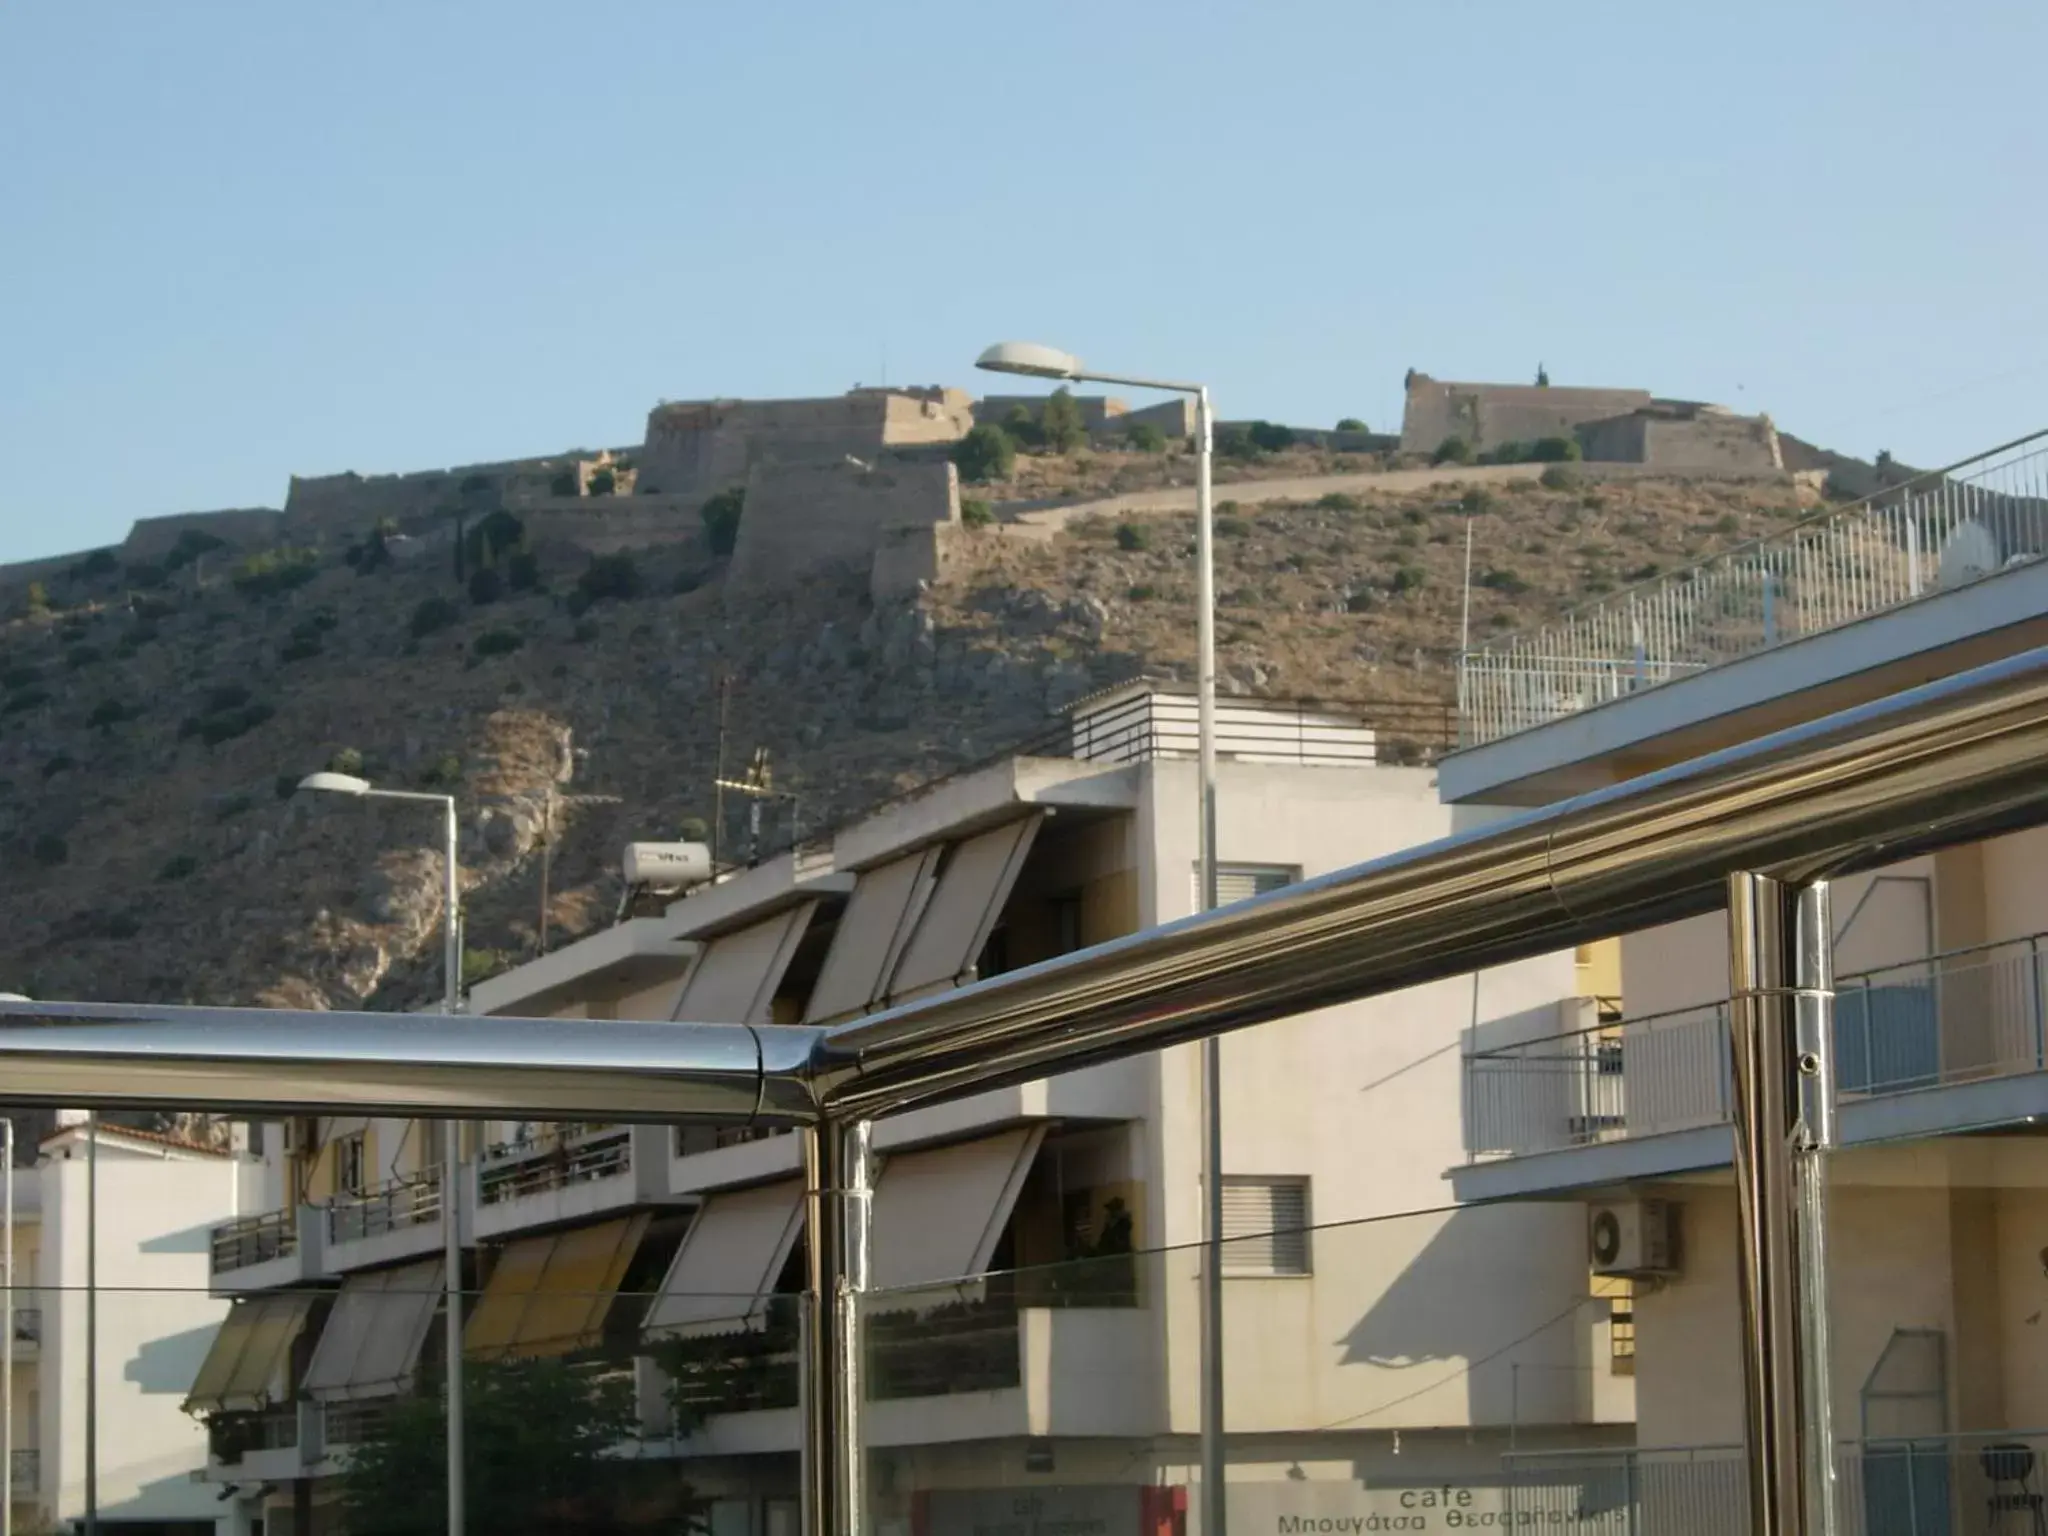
(1947, 1018)
(1937, 531)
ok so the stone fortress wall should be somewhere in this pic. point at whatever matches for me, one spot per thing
(1615, 426)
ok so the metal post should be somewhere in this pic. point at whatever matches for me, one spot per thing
(1815, 1139)
(1773, 930)
(451, 1181)
(838, 1211)
(92, 1322)
(1212, 1048)
(7, 1340)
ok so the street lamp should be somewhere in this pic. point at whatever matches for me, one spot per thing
(1037, 361)
(451, 1152)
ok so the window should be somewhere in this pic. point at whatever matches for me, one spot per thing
(1241, 882)
(351, 1165)
(1265, 1226)
(1621, 1335)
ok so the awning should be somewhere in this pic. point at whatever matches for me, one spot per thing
(549, 1295)
(736, 974)
(371, 1344)
(877, 922)
(341, 1127)
(728, 1263)
(973, 886)
(245, 1367)
(938, 1213)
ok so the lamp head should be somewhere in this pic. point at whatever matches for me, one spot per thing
(1029, 357)
(336, 783)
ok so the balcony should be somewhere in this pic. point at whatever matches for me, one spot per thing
(27, 1470)
(269, 1445)
(397, 1220)
(1953, 1042)
(264, 1252)
(569, 1173)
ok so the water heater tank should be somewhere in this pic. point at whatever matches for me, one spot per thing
(669, 866)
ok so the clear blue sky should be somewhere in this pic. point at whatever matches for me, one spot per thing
(246, 239)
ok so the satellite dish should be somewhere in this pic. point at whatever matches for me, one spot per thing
(1970, 554)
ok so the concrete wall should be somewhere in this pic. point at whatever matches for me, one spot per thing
(1487, 415)
(1410, 1321)
(349, 502)
(1097, 411)
(806, 518)
(156, 1322)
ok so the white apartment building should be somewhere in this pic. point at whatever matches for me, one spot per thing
(157, 1201)
(1033, 1334)
(1938, 1286)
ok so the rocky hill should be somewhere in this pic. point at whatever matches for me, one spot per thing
(153, 723)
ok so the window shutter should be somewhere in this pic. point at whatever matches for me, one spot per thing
(1240, 882)
(1265, 1226)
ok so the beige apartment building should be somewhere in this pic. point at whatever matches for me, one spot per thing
(1033, 1327)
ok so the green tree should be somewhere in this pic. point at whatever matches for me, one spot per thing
(1146, 438)
(1555, 450)
(540, 1434)
(975, 512)
(1351, 424)
(985, 453)
(603, 482)
(1270, 436)
(721, 516)
(1061, 422)
(1452, 450)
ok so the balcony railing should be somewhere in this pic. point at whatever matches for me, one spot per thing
(351, 1423)
(233, 1436)
(251, 1240)
(1949, 1018)
(567, 1155)
(401, 1203)
(1934, 1485)
(26, 1467)
(1897, 546)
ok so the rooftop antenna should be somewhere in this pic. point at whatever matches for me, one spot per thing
(759, 787)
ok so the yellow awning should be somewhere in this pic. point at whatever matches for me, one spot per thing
(244, 1368)
(549, 1295)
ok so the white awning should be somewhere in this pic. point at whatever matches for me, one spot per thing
(878, 919)
(974, 884)
(938, 1213)
(736, 974)
(727, 1266)
(247, 1364)
(371, 1344)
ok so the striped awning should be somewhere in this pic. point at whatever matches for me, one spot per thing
(246, 1366)
(549, 1295)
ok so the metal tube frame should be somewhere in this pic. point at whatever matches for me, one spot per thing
(1780, 990)
(838, 1233)
(1952, 762)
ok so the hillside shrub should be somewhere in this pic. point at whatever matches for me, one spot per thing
(1133, 536)
(1351, 424)
(62, 762)
(1555, 450)
(231, 723)
(432, 614)
(522, 571)
(585, 630)
(24, 675)
(1476, 502)
(1408, 578)
(1727, 525)
(274, 571)
(1233, 528)
(976, 512)
(285, 785)
(1270, 436)
(498, 642)
(721, 516)
(1452, 450)
(563, 484)
(496, 533)
(178, 867)
(1141, 592)
(1236, 443)
(109, 713)
(227, 696)
(1060, 422)
(985, 453)
(192, 544)
(50, 850)
(485, 585)
(1648, 571)
(101, 562)
(1339, 501)
(302, 648)
(1143, 437)
(36, 599)
(442, 772)
(1023, 428)
(610, 577)
(603, 482)
(1497, 580)
(26, 699)
(1557, 478)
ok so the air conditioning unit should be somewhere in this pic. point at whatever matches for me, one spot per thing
(1633, 1237)
(302, 1134)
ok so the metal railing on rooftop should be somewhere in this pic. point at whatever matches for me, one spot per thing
(251, 1240)
(1948, 1018)
(1903, 543)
